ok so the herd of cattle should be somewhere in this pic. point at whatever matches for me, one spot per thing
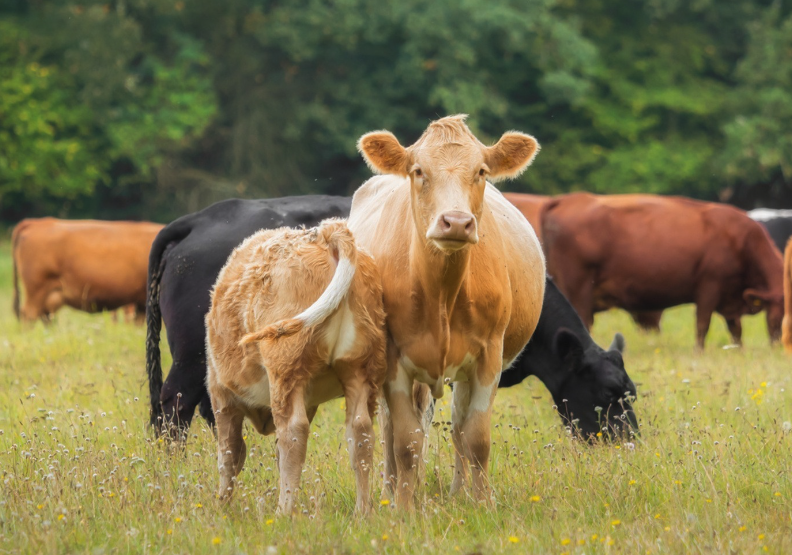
(432, 278)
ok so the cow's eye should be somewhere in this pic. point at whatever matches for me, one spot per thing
(418, 172)
(481, 172)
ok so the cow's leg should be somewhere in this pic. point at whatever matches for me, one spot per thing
(291, 423)
(706, 301)
(735, 329)
(408, 437)
(359, 433)
(231, 450)
(472, 426)
(181, 393)
(386, 428)
(461, 401)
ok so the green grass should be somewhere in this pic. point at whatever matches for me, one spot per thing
(81, 473)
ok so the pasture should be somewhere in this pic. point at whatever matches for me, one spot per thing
(710, 472)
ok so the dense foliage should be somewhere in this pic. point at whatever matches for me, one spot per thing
(151, 108)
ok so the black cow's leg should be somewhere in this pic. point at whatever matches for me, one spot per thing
(735, 329)
(182, 391)
(205, 410)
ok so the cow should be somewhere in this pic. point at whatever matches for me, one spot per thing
(186, 258)
(786, 325)
(590, 386)
(531, 208)
(89, 265)
(275, 368)
(778, 224)
(649, 253)
(463, 281)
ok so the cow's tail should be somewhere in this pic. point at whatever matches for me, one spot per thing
(14, 241)
(341, 244)
(165, 239)
(786, 325)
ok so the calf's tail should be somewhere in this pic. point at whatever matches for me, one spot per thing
(342, 245)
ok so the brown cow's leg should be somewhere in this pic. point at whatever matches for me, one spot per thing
(359, 435)
(459, 408)
(408, 437)
(386, 428)
(735, 329)
(472, 428)
(705, 306)
(231, 450)
(291, 423)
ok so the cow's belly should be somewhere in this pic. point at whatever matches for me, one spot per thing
(322, 388)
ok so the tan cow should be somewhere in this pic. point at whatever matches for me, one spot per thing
(89, 265)
(276, 368)
(463, 279)
(786, 323)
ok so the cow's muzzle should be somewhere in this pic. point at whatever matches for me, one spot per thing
(453, 230)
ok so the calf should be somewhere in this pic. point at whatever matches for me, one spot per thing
(275, 368)
(581, 376)
(185, 260)
(89, 265)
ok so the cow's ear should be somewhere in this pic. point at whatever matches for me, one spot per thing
(383, 153)
(567, 346)
(510, 156)
(618, 343)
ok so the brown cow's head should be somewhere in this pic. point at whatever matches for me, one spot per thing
(448, 168)
(772, 304)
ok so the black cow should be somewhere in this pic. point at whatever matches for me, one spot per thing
(185, 260)
(579, 374)
(778, 224)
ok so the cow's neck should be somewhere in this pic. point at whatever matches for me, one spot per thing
(437, 280)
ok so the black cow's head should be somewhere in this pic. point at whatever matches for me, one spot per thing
(597, 393)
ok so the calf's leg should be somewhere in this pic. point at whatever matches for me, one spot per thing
(359, 437)
(292, 425)
(231, 449)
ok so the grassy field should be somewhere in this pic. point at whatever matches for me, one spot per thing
(81, 473)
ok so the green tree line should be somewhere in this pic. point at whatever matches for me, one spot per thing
(153, 108)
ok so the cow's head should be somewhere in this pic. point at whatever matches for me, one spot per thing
(597, 393)
(448, 168)
(772, 304)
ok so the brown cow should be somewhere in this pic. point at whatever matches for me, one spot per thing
(275, 368)
(786, 326)
(531, 208)
(463, 279)
(85, 264)
(648, 253)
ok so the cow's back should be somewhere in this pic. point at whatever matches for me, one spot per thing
(531, 207)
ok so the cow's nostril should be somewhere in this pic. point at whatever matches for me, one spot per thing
(445, 224)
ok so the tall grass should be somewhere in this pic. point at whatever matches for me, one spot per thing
(710, 473)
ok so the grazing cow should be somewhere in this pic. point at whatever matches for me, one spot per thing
(186, 258)
(275, 368)
(463, 278)
(531, 208)
(85, 264)
(778, 224)
(786, 326)
(648, 253)
(581, 376)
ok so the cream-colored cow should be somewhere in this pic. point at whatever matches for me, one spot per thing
(463, 279)
(276, 368)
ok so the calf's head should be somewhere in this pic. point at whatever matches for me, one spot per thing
(597, 393)
(448, 168)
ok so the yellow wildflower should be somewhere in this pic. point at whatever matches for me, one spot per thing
(216, 541)
(384, 502)
(566, 541)
(514, 539)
